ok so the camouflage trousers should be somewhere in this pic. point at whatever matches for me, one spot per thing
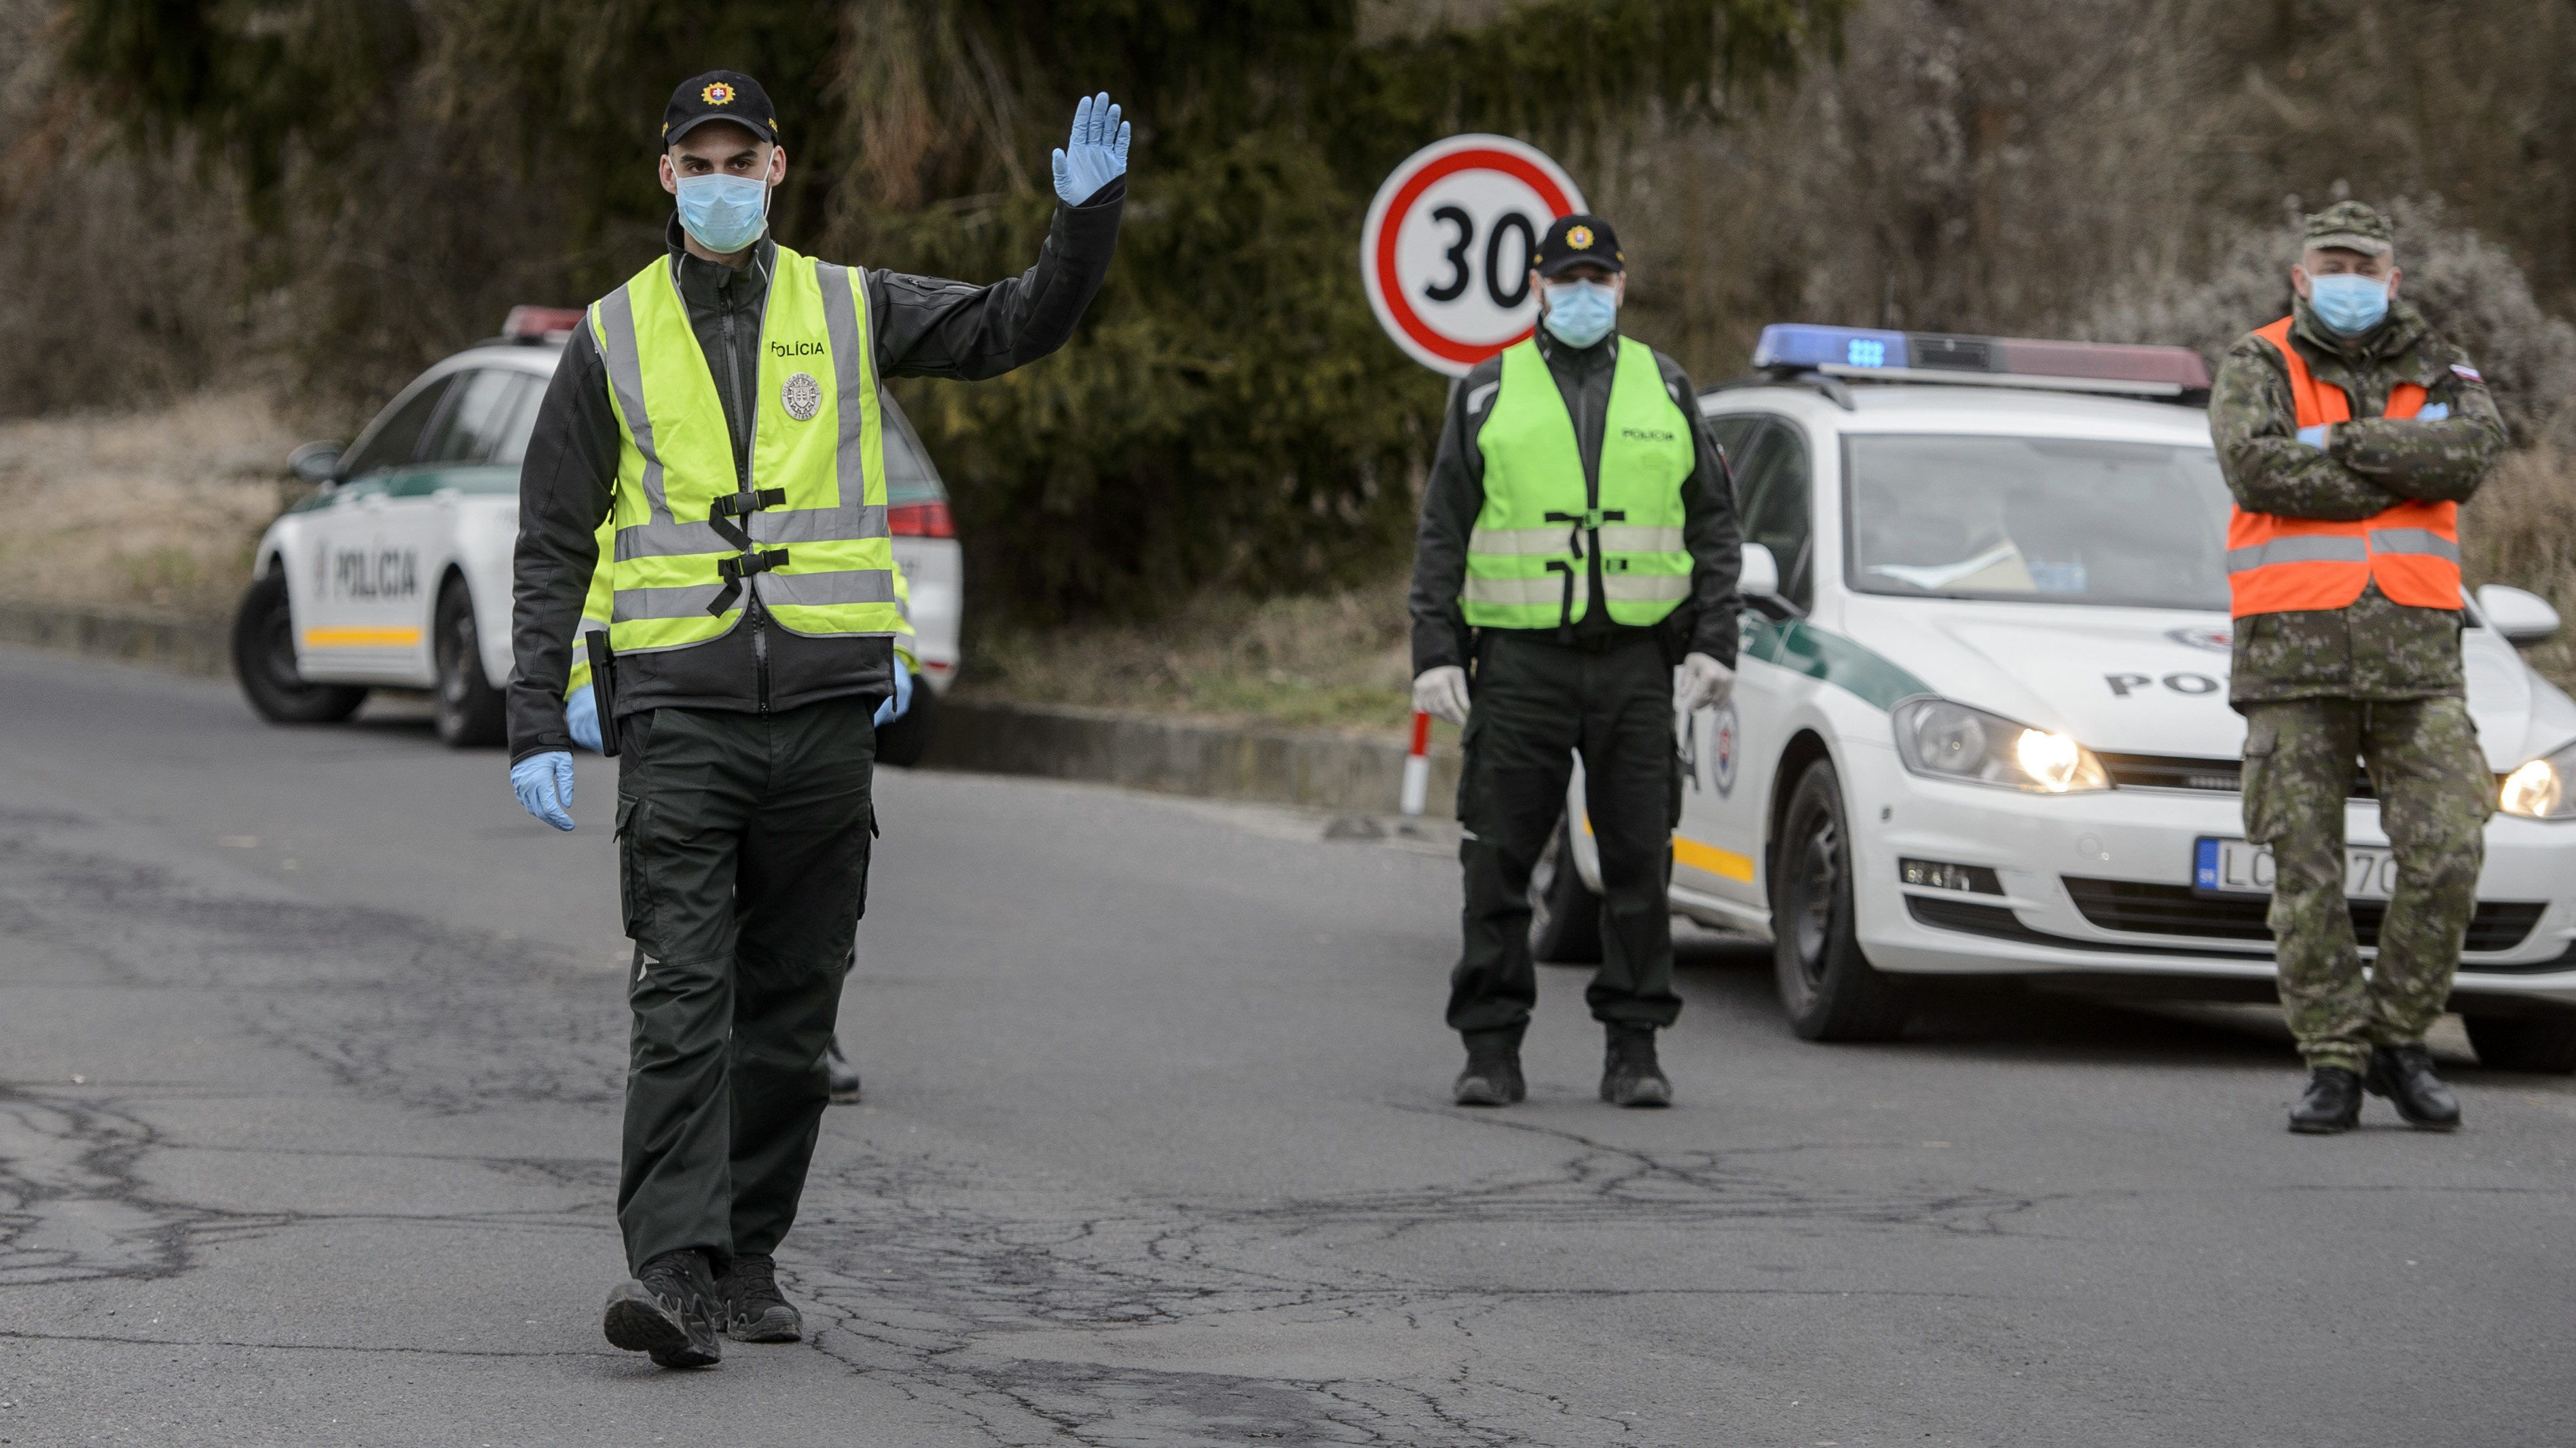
(2435, 793)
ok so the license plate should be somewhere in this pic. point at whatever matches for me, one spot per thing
(2240, 867)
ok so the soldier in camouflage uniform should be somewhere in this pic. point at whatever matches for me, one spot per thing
(2376, 680)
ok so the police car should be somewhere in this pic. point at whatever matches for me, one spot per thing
(395, 573)
(1981, 726)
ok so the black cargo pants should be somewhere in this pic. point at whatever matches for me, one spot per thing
(1537, 703)
(743, 853)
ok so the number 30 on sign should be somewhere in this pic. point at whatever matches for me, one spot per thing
(1446, 248)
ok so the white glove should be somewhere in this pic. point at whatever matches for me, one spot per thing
(1704, 684)
(1442, 693)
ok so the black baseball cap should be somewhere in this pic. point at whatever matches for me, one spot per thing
(719, 95)
(1575, 241)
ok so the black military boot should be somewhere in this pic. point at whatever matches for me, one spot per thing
(1493, 1074)
(2333, 1103)
(845, 1077)
(754, 1309)
(1629, 1074)
(2404, 1074)
(667, 1310)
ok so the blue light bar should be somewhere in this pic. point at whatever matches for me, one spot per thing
(1858, 349)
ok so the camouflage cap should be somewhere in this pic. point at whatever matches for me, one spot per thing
(2350, 226)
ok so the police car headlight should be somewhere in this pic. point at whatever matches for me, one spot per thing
(2539, 790)
(1952, 741)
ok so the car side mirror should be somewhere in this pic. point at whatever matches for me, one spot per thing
(1760, 576)
(316, 462)
(2523, 617)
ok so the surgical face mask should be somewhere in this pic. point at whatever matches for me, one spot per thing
(725, 213)
(2347, 303)
(1581, 313)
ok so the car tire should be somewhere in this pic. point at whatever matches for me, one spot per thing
(2543, 1045)
(1565, 916)
(1831, 991)
(904, 741)
(264, 661)
(469, 710)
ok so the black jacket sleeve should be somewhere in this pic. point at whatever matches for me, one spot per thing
(1710, 529)
(927, 327)
(1451, 499)
(566, 483)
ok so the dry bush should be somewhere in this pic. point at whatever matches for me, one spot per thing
(2521, 529)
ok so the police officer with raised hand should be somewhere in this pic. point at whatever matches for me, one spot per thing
(2350, 434)
(1579, 541)
(720, 412)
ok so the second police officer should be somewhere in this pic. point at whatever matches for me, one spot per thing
(1578, 541)
(2350, 433)
(720, 412)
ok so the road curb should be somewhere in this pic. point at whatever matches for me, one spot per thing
(180, 645)
(1314, 768)
(1317, 769)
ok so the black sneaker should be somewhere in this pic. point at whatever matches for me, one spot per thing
(845, 1077)
(2404, 1074)
(1629, 1073)
(2333, 1103)
(1493, 1075)
(754, 1309)
(667, 1310)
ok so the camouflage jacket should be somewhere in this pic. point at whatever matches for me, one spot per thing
(2374, 648)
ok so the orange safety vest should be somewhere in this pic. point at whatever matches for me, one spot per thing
(2277, 564)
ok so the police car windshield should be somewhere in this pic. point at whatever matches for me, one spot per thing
(2041, 520)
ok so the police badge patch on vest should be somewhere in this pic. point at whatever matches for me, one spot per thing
(802, 396)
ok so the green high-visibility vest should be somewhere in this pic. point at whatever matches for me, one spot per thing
(1526, 561)
(806, 532)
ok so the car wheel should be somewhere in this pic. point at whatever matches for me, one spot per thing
(1565, 916)
(264, 662)
(2541, 1044)
(1831, 990)
(469, 709)
(903, 742)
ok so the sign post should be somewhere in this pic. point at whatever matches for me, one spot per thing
(1446, 247)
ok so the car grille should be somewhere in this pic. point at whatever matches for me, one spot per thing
(2175, 771)
(2179, 910)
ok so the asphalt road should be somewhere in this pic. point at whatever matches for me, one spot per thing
(310, 1052)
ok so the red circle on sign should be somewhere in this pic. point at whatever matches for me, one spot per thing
(1477, 159)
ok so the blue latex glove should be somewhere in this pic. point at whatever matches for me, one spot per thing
(893, 709)
(2433, 412)
(543, 783)
(1095, 154)
(2314, 437)
(581, 716)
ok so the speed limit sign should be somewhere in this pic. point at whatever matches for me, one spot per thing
(1445, 253)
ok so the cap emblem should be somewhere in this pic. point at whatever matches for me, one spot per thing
(802, 396)
(717, 93)
(1579, 238)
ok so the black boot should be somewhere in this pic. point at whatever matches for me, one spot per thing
(845, 1077)
(2333, 1103)
(667, 1310)
(2404, 1074)
(1493, 1074)
(1629, 1074)
(754, 1309)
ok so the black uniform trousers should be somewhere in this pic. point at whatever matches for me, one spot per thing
(1538, 702)
(744, 842)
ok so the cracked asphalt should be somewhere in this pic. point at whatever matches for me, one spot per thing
(311, 1047)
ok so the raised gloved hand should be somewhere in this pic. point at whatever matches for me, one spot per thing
(1095, 154)
(1442, 693)
(1704, 683)
(893, 707)
(2315, 437)
(543, 783)
(581, 717)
